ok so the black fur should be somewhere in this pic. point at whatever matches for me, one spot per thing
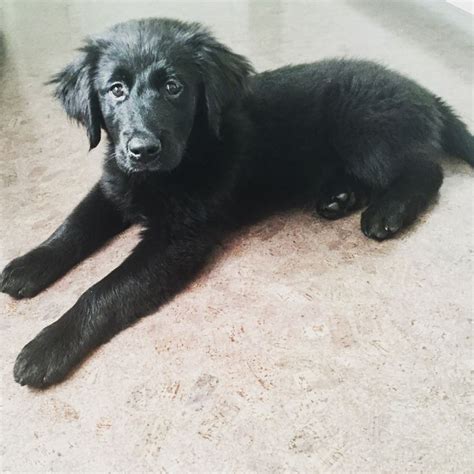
(216, 146)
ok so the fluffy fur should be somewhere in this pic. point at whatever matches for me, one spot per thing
(219, 146)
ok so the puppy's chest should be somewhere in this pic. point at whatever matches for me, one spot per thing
(141, 200)
(136, 199)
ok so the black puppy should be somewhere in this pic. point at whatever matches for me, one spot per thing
(198, 145)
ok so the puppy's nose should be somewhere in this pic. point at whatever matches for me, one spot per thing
(144, 149)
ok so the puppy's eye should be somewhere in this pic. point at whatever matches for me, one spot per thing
(117, 90)
(173, 88)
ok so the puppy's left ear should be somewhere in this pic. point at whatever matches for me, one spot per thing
(76, 93)
(224, 75)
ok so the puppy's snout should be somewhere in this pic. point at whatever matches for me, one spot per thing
(144, 149)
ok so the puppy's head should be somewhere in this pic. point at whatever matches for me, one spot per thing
(141, 82)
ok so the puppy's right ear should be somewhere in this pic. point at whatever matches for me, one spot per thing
(74, 89)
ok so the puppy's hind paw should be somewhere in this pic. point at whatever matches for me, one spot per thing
(383, 221)
(337, 206)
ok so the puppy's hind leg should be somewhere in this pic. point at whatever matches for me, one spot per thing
(404, 199)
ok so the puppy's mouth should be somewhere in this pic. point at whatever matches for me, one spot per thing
(129, 165)
(154, 165)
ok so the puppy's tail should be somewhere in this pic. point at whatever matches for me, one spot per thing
(456, 139)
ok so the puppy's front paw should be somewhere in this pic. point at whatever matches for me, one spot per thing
(48, 357)
(26, 276)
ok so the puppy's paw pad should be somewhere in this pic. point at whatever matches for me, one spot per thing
(336, 206)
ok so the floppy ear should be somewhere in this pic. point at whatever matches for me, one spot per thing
(75, 91)
(224, 75)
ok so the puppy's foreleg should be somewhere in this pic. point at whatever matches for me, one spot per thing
(92, 222)
(150, 276)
